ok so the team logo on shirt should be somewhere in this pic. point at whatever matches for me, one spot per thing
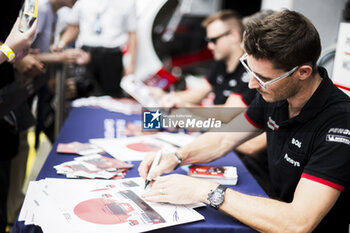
(296, 142)
(227, 93)
(339, 131)
(219, 79)
(291, 161)
(272, 124)
(338, 135)
(232, 83)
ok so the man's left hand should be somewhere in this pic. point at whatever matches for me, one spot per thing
(179, 189)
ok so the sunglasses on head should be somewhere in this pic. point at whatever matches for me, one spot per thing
(214, 39)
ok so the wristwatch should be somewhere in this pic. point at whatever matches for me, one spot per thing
(217, 196)
(179, 160)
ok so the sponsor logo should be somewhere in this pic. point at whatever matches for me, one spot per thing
(227, 93)
(296, 142)
(272, 124)
(339, 131)
(219, 79)
(152, 120)
(232, 83)
(291, 161)
(338, 138)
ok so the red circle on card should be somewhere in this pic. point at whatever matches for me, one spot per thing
(143, 147)
(103, 211)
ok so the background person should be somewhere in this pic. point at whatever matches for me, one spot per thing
(9, 132)
(18, 41)
(32, 66)
(227, 78)
(104, 27)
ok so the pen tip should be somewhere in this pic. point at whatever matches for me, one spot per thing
(146, 183)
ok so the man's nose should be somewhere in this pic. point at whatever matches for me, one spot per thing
(211, 45)
(253, 83)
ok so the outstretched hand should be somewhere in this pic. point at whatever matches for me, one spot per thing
(76, 56)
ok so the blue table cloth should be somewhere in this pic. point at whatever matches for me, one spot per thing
(85, 123)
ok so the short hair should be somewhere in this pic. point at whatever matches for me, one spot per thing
(286, 38)
(257, 16)
(226, 16)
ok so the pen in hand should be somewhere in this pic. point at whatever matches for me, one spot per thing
(153, 166)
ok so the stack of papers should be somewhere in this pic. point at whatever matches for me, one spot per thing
(139, 91)
(177, 139)
(132, 129)
(90, 206)
(78, 148)
(111, 104)
(132, 148)
(222, 175)
(135, 148)
(94, 166)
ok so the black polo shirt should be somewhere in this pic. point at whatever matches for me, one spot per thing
(225, 84)
(314, 145)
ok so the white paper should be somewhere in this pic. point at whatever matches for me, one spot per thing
(106, 102)
(90, 206)
(133, 148)
(139, 91)
(176, 139)
(93, 166)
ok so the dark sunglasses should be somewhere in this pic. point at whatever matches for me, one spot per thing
(214, 39)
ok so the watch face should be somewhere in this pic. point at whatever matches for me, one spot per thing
(217, 198)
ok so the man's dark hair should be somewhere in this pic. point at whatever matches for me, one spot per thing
(285, 38)
(260, 15)
(226, 16)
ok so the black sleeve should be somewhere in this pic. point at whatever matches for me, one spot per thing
(330, 160)
(249, 95)
(213, 72)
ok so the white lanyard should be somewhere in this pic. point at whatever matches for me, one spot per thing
(97, 23)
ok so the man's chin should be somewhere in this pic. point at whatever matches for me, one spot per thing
(267, 97)
(217, 57)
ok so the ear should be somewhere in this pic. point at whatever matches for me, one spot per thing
(304, 72)
(236, 36)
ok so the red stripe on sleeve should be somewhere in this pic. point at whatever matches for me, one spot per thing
(206, 79)
(240, 96)
(342, 87)
(252, 122)
(322, 181)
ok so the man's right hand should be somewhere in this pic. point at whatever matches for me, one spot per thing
(76, 56)
(166, 164)
(29, 66)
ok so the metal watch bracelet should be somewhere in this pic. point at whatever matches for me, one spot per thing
(179, 160)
